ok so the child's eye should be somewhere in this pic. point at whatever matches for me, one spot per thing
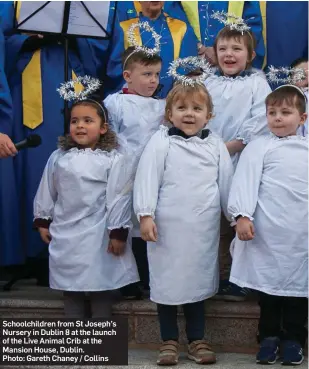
(197, 108)
(147, 74)
(286, 112)
(88, 120)
(73, 121)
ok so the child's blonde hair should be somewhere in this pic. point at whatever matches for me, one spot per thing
(180, 91)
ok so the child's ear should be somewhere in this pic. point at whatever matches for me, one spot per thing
(253, 56)
(169, 114)
(303, 118)
(127, 75)
(103, 128)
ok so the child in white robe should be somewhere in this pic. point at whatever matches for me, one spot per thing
(269, 201)
(135, 115)
(238, 93)
(302, 63)
(82, 209)
(182, 181)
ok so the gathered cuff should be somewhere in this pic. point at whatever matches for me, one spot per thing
(244, 140)
(145, 214)
(244, 215)
(41, 223)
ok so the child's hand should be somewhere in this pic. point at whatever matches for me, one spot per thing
(234, 146)
(116, 247)
(245, 229)
(45, 235)
(148, 229)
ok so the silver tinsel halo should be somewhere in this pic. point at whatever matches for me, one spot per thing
(285, 75)
(90, 84)
(133, 42)
(190, 63)
(231, 20)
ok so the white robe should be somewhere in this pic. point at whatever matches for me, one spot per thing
(85, 193)
(270, 186)
(239, 107)
(135, 119)
(181, 183)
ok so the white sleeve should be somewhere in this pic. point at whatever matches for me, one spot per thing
(114, 111)
(119, 192)
(149, 174)
(246, 181)
(46, 196)
(226, 171)
(256, 125)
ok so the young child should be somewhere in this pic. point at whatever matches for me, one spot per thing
(238, 93)
(85, 194)
(302, 63)
(269, 201)
(182, 180)
(135, 115)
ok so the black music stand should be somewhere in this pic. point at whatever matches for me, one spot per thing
(65, 31)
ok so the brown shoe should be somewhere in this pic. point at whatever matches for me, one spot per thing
(168, 354)
(200, 352)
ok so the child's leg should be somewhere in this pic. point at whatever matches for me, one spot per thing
(74, 304)
(101, 304)
(295, 316)
(270, 315)
(198, 349)
(167, 315)
(139, 248)
(269, 328)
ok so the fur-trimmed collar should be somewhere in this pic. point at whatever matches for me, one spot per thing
(107, 142)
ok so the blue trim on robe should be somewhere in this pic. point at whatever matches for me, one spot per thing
(244, 73)
(188, 48)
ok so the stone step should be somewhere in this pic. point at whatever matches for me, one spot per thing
(146, 359)
(230, 326)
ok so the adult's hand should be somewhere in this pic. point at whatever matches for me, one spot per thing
(7, 148)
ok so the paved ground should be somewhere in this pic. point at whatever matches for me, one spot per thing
(146, 359)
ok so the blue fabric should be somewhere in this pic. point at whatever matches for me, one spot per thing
(8, 204)
(18, 240)
(210, 27)
(287, 32)
(188, 48)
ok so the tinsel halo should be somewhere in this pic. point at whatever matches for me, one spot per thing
(190, 63)
(231, 20)
(285, 75)
(133, 42)
(90, 84)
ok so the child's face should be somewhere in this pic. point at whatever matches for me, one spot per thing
(85, 126)
(142, 79)
(303, 83)
(232, 56)
(284, 120)
(189, 115)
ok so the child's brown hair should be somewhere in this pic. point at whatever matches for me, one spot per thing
(180, 91)
(130, 57)
(291, 95)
